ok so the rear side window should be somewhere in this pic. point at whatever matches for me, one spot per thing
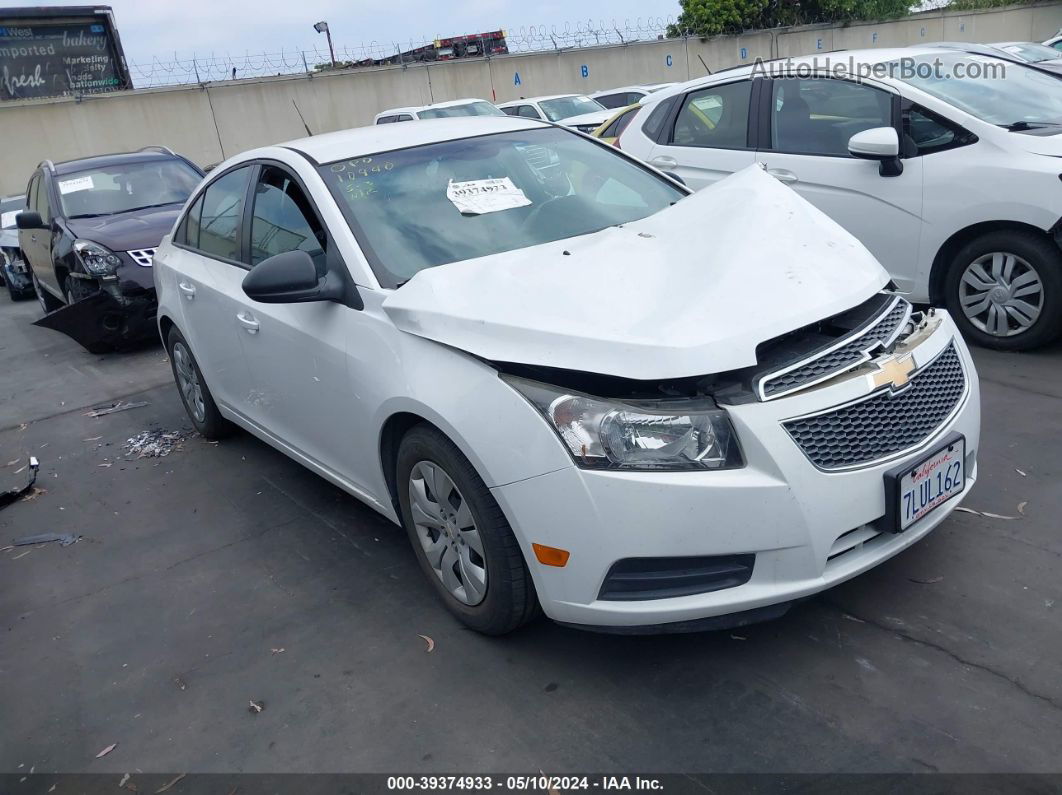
(385, 120)
(654, 125)
(510, 111)
(188, 232)
(222, 206)
(403, 117)
(619, 125)
(716, 117)
(612, 101)
(284, 220)
(528, 111)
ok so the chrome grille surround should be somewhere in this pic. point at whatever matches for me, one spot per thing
(886, 424)
(845, 354)
(142, 256)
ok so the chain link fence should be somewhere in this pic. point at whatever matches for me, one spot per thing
(162, 71)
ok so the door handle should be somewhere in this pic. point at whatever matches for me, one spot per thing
(187, 288)
(663, 162)
(783, 175)
(33, 238)
(248, 322)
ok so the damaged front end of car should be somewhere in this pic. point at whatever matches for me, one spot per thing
(112, 302)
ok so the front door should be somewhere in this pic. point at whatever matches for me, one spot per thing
(36, 244)
(811, 121)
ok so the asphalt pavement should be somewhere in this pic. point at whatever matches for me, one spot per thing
(227, 574)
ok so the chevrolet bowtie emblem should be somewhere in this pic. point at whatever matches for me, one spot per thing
(893, 371)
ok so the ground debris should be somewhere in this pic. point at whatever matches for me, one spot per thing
(430, 642)
(987, 514)
(926, 581)
(64, 539)
(256, 707)
(169, 784)
(107, 750)
(115, 407)
(1021, 507)
(155, 443)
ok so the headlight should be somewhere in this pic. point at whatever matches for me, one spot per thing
(98, 261)
(640, 435)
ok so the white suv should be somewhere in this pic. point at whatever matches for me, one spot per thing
(964, 201)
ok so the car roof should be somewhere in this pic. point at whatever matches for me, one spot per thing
(394, 111)
(417, 108)
(102, 161)
(360, 141)
(618, 90)
(525, 100)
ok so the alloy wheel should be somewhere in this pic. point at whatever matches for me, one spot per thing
(447, 532)
(1001, 294)
(188, 382)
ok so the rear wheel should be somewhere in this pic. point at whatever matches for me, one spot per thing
(198, 402)
(48, 302)
(1004, 289)
(460, 536)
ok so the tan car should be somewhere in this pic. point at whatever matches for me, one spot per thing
(609, 132)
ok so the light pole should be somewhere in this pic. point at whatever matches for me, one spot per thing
(322, 27)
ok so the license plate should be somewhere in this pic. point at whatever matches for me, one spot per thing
(917, 488)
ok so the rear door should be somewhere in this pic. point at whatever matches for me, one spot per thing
(708, 137)
(810, 123)
(207, 260)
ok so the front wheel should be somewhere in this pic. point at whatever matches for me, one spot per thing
(460, 536)
(1004, 289)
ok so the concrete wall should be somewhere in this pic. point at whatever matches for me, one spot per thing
(211, 122)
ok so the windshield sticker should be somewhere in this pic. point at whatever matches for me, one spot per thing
(73, 185)
(480, 196)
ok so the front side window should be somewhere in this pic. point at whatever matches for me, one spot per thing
(1001, 93)
(817, 116)
(932, 133)
(124, 187)
(283, 220)
(528, 112)
(512, 111)
(40, 201)
(219, 223)
(455, 111)
(430, 205)
(566, 107)
(716, 117)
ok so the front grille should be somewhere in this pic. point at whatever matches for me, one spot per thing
(142, 256)
(824, 364)
(886, 423)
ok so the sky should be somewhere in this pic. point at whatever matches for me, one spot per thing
(160, 28)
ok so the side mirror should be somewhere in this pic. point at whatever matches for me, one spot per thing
(29, 219)
(881, 144)
(291, 278)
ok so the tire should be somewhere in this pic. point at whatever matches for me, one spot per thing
(508, 600)
(996, 280)
(48, 302)
(203, 412)
(75, 289)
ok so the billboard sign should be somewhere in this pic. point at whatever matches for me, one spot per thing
(51, 52)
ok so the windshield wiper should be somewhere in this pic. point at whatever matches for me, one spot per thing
(150, 206)
(89, 215)
(1018, 126)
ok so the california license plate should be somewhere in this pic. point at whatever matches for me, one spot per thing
(917, 488)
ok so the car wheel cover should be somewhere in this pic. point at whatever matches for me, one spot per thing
(188, 382)
(447, 532)
(1001, 294)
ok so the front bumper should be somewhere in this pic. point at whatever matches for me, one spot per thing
(780, 508)
(16, 273)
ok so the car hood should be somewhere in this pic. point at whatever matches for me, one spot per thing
(1050, 145)
(691, 290)
(598, 117)
(127, 231)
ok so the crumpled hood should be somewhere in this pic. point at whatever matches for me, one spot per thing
(691, 290)
(127, 231)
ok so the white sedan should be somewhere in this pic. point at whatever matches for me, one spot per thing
(578, 387)
(944, 164)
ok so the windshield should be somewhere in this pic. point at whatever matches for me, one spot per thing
(426, 206)
(1034, 53)
(468, 109)
(992, 90)
(123, 187)
(566, 107)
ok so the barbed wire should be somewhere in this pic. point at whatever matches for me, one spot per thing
(186, 70)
